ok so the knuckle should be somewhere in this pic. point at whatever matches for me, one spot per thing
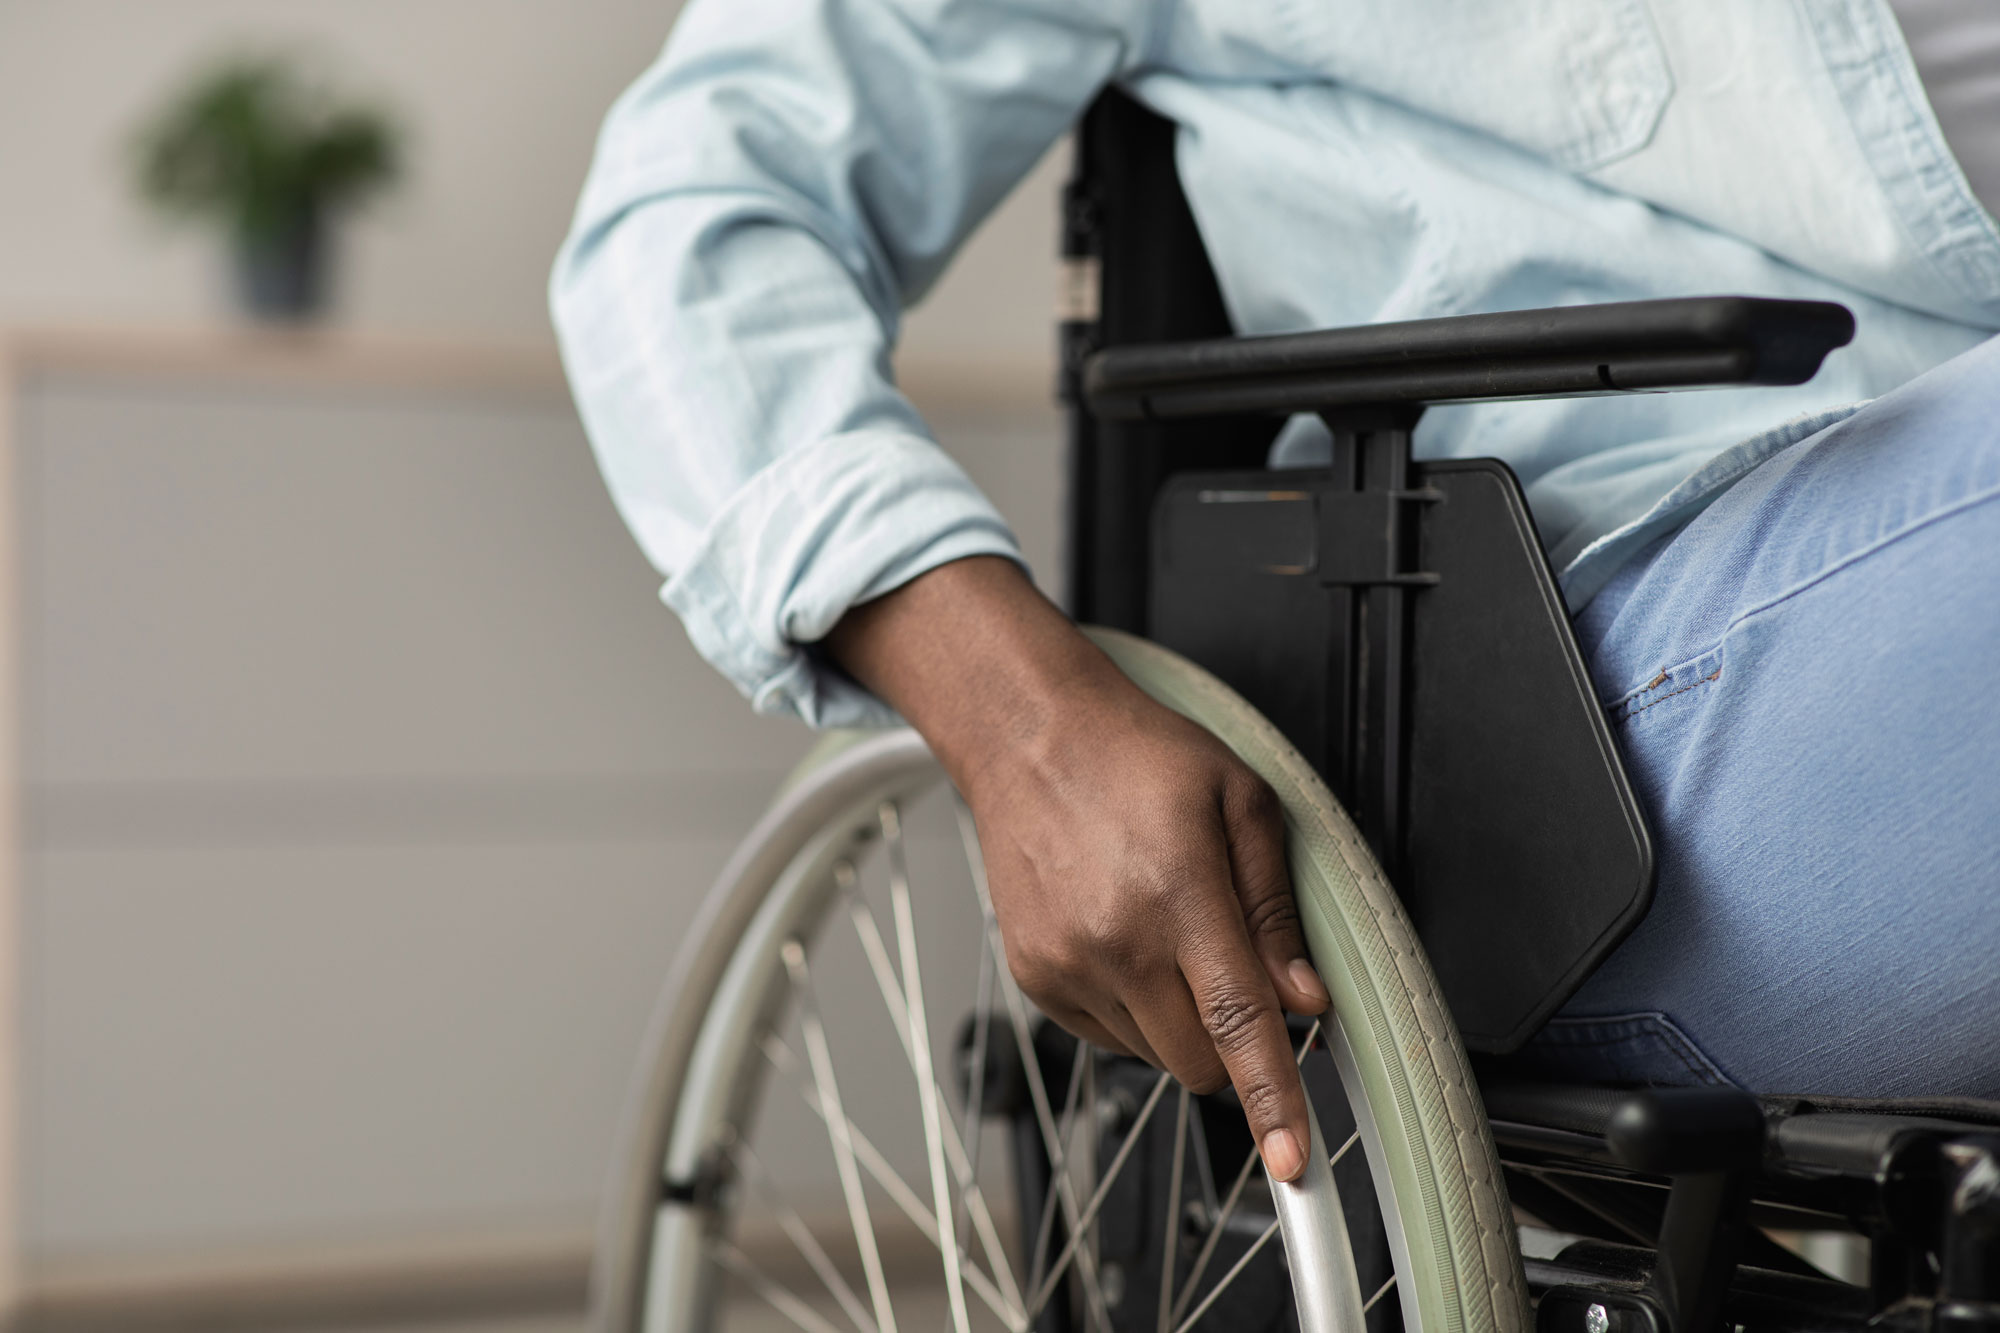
(1112, 943)
(1035, 978)
(1262, 1101)
(1045, 973)
(1172, 892)
(1276, 914)
(1257, 800)
(1232, 1017)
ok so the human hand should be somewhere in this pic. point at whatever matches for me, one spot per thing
(1137, 867)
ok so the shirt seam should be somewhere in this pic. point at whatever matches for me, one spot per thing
(1949, 253)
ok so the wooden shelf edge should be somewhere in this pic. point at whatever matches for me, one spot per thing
(385, 1284)
(334, 357)
(306, 357)
(422, 1279)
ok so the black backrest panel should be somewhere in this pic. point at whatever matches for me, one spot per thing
(1126, 218)
(1487, 780)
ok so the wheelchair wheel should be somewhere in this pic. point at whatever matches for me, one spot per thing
(850, 1117)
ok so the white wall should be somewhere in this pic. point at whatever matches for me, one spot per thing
(503, 98)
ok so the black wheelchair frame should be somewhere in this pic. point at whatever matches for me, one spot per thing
(1329, 597)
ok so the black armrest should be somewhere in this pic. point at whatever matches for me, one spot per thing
(1567, 351)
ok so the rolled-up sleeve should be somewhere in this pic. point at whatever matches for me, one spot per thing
(763, 204)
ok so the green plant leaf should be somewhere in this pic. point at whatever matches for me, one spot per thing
(257, 146)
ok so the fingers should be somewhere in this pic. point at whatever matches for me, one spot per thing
(1238, 1010)
(1171, 1023)
(1116, 1019)
(1165, 928)
(1254, 824)
(1078, 1023)
(1102, 1020)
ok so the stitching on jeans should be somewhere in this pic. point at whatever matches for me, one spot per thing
(1671, 1040)
(1628, 710)
(1593, 1031)
(1607, 1036)
(1696, 1061)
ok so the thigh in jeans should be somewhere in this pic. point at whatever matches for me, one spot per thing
(1803, 681)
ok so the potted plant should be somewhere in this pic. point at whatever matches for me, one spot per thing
(269, 155)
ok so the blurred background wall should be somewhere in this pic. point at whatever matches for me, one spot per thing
(363, 782)
(503, 97)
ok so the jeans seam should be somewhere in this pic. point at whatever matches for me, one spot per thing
(1701, 1070)
(1958, 506)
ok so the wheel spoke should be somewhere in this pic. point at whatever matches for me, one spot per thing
(970, 1194)
(837, 1129)
(1088, 1163)
(1097, 1198)
(775, 1294)
(750, 1168)
(975, 1119)
(1058, 1162)
(1204, 1168)
(1222, 1285)
(974, 1201)
(1059, 1180)
(919, 1047)
(1380, 1292)
(1038, 1094)
(1217, 1221)
(1171, 1245)
(877, 1166)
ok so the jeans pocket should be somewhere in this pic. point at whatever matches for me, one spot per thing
(1683, 683)
(1629, 1050)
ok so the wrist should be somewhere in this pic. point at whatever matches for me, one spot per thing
(989, 671)
(1022, 726)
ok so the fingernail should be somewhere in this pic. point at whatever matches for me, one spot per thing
(1282, 1158)
(1308, 982)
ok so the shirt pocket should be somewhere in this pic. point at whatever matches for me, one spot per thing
(1581, 82)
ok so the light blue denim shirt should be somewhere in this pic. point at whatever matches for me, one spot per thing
(792, 173)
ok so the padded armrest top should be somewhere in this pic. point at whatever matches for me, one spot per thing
(1565, 351)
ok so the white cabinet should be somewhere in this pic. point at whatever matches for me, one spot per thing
(361, 785)
(360, 788)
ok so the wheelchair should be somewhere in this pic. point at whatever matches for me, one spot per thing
(972, 1166)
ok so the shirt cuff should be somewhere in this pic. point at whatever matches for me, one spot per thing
(819, 529)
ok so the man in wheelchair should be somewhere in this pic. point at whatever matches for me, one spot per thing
(1760, 623)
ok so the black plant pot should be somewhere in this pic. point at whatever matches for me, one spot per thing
(281, 271)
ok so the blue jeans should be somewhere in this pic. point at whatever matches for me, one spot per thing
(1806, 683)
